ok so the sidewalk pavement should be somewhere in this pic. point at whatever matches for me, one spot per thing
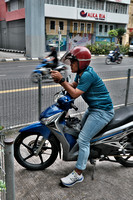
(6, 56)
(111, 182)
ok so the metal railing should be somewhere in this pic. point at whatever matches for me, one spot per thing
(7, 177)
(2, 167)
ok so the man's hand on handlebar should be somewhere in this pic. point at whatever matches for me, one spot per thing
(56, 76)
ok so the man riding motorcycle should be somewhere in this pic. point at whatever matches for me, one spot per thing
(116, 52)
(53, 57)
(99, 113)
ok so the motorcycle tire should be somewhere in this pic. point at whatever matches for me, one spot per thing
(25, 147)
(119, 61)
(107, 61)
(35, 77)
(126, 160)
(123, 160)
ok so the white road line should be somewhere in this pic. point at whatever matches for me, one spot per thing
(122, 66)
(2, 74)
(26, 65)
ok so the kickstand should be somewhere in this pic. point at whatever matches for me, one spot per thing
(93, 162)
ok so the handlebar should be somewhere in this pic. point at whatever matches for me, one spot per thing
(74, 107)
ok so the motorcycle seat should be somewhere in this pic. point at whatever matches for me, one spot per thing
(122, 116)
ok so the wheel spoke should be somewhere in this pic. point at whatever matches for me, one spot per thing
(40, 156)
(29, 156)
(29, 148)
(128, 157)
(46, 147)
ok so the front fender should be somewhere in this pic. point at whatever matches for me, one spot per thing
(37, 127)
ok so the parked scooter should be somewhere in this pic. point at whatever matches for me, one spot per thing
(37, 146)
(111, 58)
(42, 71)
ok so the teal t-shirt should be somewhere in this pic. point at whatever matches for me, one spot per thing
(95, 93)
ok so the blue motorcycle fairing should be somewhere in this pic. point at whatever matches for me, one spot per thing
(37, 71)
(65, 102)
(52, 110)
(40, 66)
(37, 127)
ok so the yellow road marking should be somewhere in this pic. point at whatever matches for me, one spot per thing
(51, 86)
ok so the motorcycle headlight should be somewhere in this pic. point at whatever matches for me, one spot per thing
(50, 119)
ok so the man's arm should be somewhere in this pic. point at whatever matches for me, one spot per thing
(74, 92)
(70, 88)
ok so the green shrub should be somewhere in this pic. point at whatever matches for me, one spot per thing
(104, 48)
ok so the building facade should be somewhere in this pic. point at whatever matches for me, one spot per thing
(81, 22)
(128, 37)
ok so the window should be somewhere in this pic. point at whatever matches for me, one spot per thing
(82, 27)
(90, 4)
(106, 28)
(75, 26)
(15, 5)
(88, 27)
(61, 25)
(52, 25)
(111, 27)
(116, 8)
(100, 28)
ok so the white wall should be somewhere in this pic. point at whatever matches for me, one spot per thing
(60, 11)
(117, 18)
(120, 1)
(64, 12)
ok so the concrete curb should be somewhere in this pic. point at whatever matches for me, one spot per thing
(12, 50)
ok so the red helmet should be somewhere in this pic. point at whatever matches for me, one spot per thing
(82, 55)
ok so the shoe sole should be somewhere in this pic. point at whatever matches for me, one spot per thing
(70, 185)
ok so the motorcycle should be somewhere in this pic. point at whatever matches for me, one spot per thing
(38, 145)
(111, 58)
(42, 71)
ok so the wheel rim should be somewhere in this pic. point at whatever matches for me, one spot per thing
(27, 151)
(108, 61)
(128, 158)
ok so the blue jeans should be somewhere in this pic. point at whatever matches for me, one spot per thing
(94, 120)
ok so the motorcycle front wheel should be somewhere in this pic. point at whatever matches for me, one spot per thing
(108, 61)
(25, 148)
(35, 77)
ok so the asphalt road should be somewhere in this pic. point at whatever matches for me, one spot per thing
(17, 69)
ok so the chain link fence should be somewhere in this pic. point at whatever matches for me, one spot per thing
(22, 101)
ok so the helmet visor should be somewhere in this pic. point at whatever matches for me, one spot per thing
(68, 58)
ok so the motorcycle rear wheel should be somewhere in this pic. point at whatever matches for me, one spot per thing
(124, 160)
(119, 61)
(35, 77)
(108, 61)
(25, 147)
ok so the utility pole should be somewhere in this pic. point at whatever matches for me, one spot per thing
(59, 39)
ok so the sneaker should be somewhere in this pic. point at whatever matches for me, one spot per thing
(71, 179)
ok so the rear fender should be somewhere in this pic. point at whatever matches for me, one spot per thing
(37, 127)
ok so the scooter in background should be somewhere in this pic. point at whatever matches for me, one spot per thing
(42, 70)
(111, 58)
